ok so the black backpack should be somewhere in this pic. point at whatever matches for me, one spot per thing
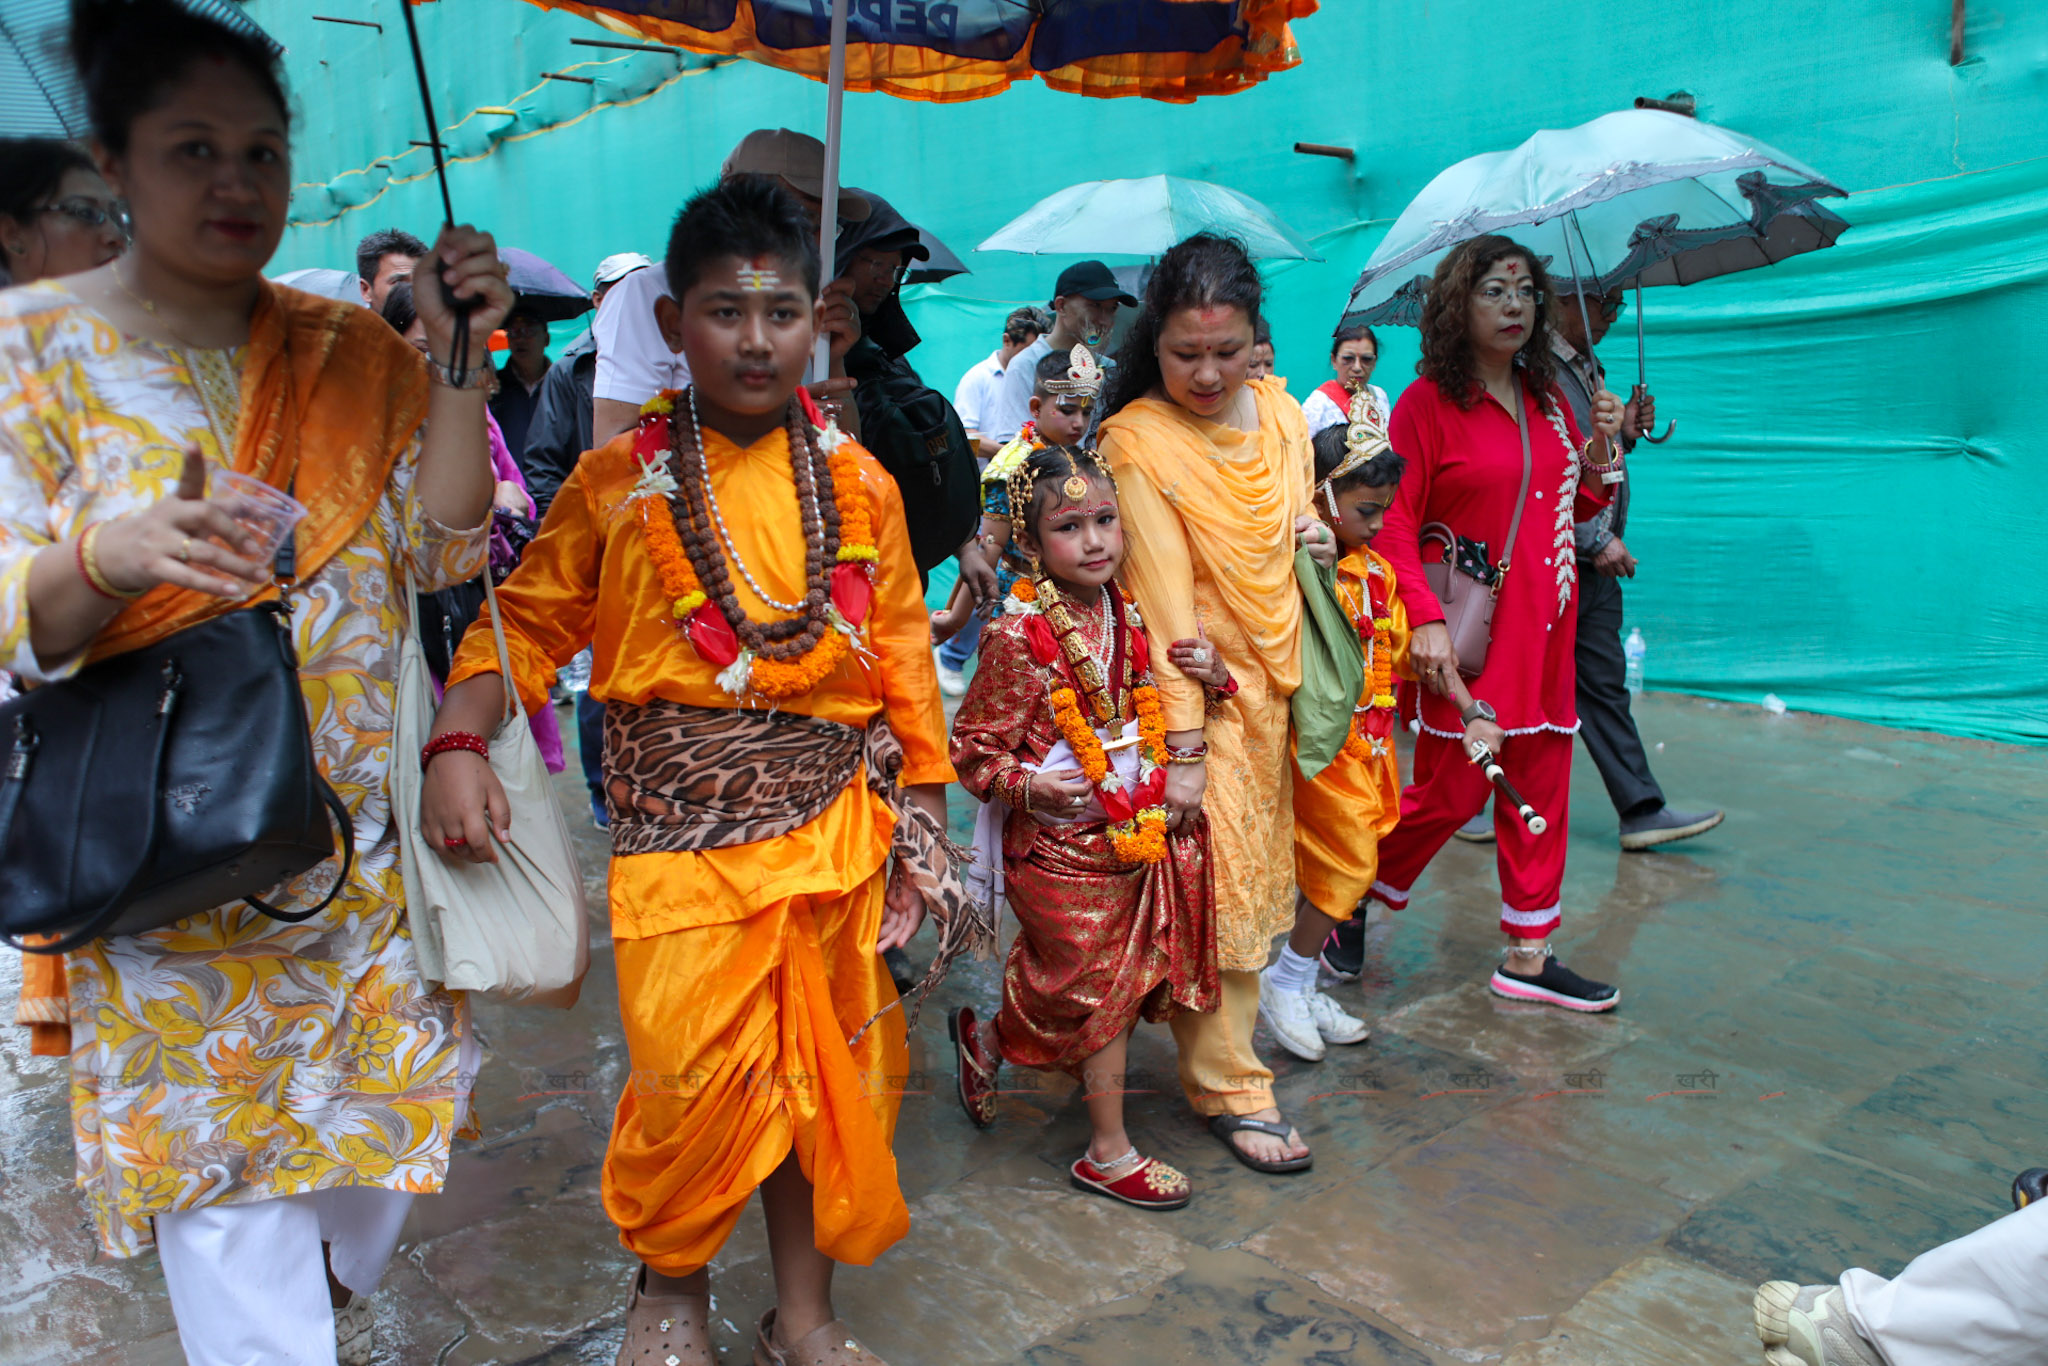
(914, 432)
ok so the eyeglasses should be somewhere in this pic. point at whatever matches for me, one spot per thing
(1496, 295)
(91, 213)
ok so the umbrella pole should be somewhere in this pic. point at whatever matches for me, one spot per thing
(1579, 292)
(458, 362)
(828, 211)
(1642, 371)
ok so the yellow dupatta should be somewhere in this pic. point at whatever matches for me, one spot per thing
(1234, 496)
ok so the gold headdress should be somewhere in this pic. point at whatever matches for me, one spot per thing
(1084, 376)
(1365, 436)
(1017, 485)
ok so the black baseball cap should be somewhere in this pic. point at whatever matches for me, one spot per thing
(1091, 280)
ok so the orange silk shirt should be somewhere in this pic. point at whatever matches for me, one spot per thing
(587, 579)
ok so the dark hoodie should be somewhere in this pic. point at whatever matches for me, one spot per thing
(908, 426)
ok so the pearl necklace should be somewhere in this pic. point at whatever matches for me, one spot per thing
(732, 552)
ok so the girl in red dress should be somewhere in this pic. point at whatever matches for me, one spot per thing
(1485, 382)
(1062, 737)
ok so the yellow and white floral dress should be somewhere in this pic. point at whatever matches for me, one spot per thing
(230, 1057)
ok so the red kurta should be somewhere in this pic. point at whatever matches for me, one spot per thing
(1464, 467)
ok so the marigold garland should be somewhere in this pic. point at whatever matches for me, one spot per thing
(1023, 590)
(1079, 735)
(774, 679)
(1142, 838)
(856, 525)
(1375, 625)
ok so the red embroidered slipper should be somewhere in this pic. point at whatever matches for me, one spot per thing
(1148, 1183)
(974, 1074)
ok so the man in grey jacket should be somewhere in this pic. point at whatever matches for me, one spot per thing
(1605, 723)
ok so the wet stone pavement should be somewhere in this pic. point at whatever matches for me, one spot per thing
(1828, 1053)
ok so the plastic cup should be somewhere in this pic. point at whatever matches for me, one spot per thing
(265, 513)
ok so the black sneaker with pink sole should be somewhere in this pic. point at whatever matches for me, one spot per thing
(1556, 985)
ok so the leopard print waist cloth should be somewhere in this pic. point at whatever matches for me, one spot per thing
(684, 779)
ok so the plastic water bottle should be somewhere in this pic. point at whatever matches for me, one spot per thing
(1632, 650)
(575, 675)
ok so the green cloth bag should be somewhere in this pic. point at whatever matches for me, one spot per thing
(1332, 669)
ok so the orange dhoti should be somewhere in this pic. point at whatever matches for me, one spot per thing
(1339, 820)
(737, 1034)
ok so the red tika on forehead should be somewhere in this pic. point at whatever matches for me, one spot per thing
(1513, 266)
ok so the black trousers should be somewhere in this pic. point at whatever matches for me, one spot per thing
(1604, 720)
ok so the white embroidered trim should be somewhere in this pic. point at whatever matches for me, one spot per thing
(1392, 895)
(1573, 729)
(1564, 553)
(1529, 919)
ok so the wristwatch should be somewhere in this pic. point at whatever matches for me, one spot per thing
(1480, 710)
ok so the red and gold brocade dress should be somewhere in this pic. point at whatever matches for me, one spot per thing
(1341, 817)
(1103, 942)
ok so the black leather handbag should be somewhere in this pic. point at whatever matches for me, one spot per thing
(165, 782)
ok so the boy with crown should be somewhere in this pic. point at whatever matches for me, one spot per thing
(1066, 389)
(1341, 816)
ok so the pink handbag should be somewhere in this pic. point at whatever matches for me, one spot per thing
(1462, 577)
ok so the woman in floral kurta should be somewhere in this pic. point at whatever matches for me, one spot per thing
(231, 1057)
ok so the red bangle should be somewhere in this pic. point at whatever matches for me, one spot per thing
(455, 739)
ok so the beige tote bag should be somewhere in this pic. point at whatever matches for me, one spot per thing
(516, 929)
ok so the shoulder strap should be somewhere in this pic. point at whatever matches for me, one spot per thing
(1515, 522)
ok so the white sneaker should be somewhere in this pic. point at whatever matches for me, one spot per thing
(1334, 1023)
(355, 1323)
(952, 682)
(1291, 1018)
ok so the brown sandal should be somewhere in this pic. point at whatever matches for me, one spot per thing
(829, 1345)
(666, 1330)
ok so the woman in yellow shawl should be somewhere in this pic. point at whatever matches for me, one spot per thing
(1215, 474)
(243, 1090)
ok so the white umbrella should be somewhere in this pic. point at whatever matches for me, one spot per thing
(1614, 199)
(1144, 217)
(325, 281)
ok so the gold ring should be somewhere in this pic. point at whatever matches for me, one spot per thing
(185, 551)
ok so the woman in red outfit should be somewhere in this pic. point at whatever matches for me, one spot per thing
(1486, 374)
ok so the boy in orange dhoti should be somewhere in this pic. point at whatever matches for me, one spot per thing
(773, 732)
(1341, 816)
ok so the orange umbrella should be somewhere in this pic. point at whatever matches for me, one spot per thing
(944, 51)
(949, 50)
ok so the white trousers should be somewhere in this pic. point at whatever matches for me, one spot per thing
(249, 1285)
(248, 1282)
(1981, 1300)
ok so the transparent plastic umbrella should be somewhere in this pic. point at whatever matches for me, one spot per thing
(1641, 196)
(1144, 217)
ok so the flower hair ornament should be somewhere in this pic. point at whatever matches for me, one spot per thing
(1084, 376)
(1365, 437)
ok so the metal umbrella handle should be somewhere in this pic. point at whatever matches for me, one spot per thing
(1642, 381)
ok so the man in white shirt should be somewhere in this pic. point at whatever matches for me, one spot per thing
(977, 390)
(1084, 305)
(634, 363)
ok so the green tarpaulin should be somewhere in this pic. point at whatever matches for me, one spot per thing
(1846, 516)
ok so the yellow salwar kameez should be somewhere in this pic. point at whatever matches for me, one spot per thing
(1341, 817)
(1208, 513)
(742, 970)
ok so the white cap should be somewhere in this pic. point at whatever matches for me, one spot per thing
(617, 267)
